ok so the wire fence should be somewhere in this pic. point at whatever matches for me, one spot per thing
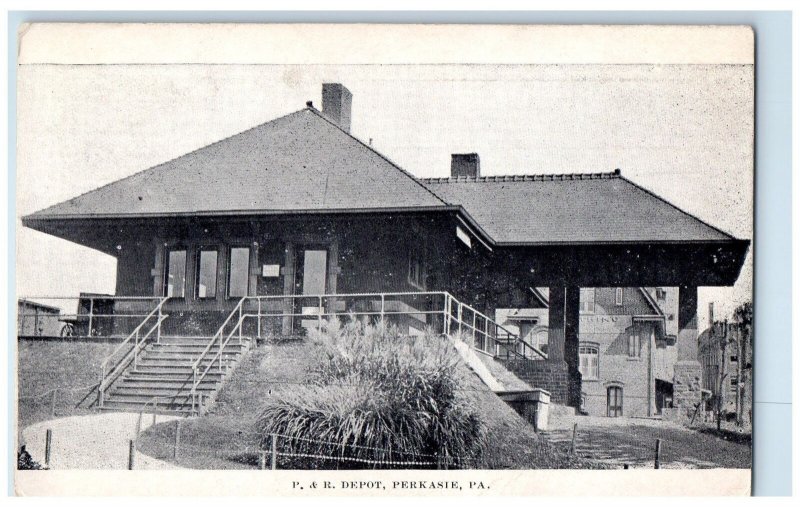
(569, 441)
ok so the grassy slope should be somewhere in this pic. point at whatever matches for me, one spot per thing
(45, 365)
(223, 438)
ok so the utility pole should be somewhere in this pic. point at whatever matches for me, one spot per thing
(721, 394)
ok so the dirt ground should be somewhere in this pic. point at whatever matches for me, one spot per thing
(630, 441)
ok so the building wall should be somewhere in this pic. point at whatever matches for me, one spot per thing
(37, 320)
(365, 255)
(737, 369)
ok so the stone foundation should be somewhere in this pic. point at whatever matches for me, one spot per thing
(687, 390)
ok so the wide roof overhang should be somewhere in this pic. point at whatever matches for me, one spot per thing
(586, 264)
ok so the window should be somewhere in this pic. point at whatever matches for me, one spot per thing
(661, 293)
(238, 271)
(634, 345)
(734, 382)
(416, 267)
(618, 296)
(614, 401)
(589, 362)
(734, 359)
(206, 287)
(586, 300)
(175, 274)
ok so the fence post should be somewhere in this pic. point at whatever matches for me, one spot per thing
(131, 454)
(658, 454)
(158, 331)
(446, 315)
(154, 417)
(138, 425)
(53, 403)
(241, 323)
(262, 460)
(176, 447)
(258, 325)
(574, 434)
(319, 315)
(383, 307)
(273, 452)
(91, 314)
(48, 446)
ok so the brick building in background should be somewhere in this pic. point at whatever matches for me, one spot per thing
(626, 346)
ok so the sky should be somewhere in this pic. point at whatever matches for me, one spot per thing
(683, 131)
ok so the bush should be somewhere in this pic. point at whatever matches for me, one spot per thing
(377, 395)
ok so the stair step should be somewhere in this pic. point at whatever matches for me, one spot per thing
(170, 383)
(156, 390)
(179, 399)
(137, 406)
(169, 363)
(180, 351)
(175, 372)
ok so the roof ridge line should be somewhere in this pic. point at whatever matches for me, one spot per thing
(525, 177)
(416, 180)
(142, 171)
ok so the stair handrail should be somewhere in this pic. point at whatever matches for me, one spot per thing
(217, 337)
(218, 356)
(126, 359)
(514, 340)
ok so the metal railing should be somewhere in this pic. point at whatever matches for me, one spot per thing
(110, 372)
(418, 311)
(96, 315)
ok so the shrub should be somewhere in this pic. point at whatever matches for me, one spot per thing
(377, 395)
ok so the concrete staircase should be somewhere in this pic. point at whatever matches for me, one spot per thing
(164, 370)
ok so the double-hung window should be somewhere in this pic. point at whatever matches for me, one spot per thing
(589, 362)
(416, 266)
(175, 274)
(238, 271)
(586, 300)
(206, 283)
(634, 345)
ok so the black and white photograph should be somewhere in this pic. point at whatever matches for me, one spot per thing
(393, 265)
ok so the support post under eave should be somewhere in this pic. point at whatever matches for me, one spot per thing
(688, 376)
(572, 306)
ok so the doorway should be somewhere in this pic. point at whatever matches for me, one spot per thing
(310, 279)
(614, 401)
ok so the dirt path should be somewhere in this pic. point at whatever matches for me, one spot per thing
(625, 441)
(92, 442)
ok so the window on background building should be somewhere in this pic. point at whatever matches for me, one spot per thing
(175, 274)
(589, 365)
(661, 293)
(634, 345)
(587, 300)
(618, 296)
(416, 267)
(734, 359)
(238, 271)
(206, 274)
(734, 382)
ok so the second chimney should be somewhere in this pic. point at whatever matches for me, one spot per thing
(465, 164)
(336, 104)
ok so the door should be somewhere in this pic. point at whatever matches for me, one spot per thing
(614, 401)
(311, 275)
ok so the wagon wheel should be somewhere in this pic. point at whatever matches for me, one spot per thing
(68, 329)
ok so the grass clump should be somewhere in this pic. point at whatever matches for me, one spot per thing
(376, 396)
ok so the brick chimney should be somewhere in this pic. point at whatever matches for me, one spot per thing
(465, 164)
(336, 104)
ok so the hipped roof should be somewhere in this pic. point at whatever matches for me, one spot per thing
(305, 163)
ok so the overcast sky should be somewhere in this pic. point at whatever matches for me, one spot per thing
(682, 131)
